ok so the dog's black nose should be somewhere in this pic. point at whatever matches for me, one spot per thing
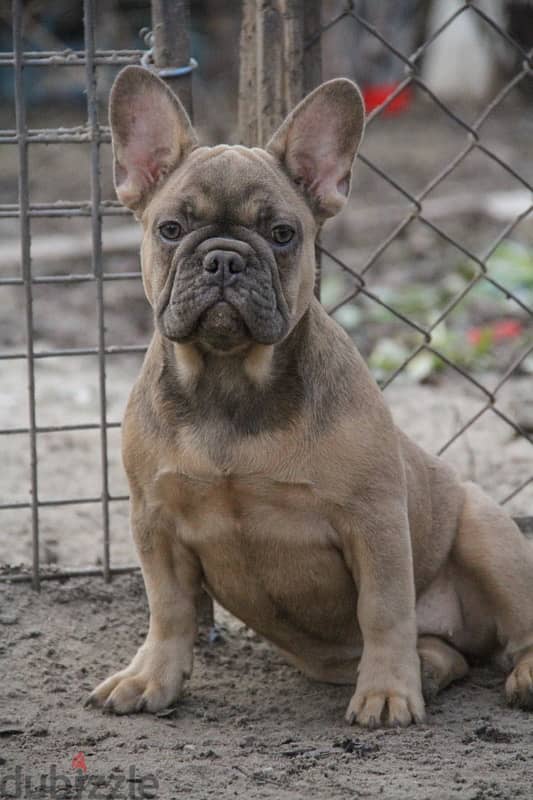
(224, 265)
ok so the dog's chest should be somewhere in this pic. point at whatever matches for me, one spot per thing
(266, 550)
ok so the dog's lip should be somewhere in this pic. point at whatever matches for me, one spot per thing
(221, 302)
(222, 327)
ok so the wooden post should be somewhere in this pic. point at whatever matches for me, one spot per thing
(312, 60)
(272, 73)
(277, 69)
(170, 26)
(312, 71)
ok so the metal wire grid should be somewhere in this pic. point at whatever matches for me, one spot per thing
(95, 134)
(473, 136)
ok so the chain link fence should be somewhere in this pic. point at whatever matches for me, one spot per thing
(287, 47)
(409, 77)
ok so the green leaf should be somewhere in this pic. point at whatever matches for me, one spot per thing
(422, 366)
(387, 355)
(349, 316)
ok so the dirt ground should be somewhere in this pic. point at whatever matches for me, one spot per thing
(248, 726)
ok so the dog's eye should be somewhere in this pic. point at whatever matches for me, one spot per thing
(171, 231)
(282, 234)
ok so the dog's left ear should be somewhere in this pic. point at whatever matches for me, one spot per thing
(318, 142)
(151, 133)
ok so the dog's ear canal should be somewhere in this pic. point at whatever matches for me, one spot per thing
(151, 134)
(318, 142)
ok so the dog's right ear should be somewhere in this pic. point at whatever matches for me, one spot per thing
(151, 134)
(318, 142)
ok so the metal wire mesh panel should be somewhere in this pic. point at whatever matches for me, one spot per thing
(92, 134)
(429, 209)
(409, 207)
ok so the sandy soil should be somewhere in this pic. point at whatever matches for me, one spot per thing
(248, 726)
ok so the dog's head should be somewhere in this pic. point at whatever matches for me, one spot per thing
(229, 231)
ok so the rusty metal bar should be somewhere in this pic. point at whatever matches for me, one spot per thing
(63, 574)
(76, 351)
(64, 501)
(49, 210)
(71, 279)
(25, 255)
(97, 265)
(70, 58)
(82, 426)
(54, 135)
(172, 49)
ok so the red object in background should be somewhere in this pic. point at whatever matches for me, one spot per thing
(504, 329)
(78, 762)
(376, 94)
(507, 329)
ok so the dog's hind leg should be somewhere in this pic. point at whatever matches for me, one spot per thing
(519, 684)
(440, 665)
(497, 559)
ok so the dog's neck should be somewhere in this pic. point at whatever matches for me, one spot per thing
(216, 393)
(248, 392)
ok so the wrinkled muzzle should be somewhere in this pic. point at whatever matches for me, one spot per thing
(223, 291)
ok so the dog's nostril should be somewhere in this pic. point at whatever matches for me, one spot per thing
(212, 265)
(224, 263)
(236, 265)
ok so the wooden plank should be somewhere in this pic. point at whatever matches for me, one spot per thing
(271, 70)
(312, 60)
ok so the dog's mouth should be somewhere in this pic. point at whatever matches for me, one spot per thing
(221, 327)
(223, 293)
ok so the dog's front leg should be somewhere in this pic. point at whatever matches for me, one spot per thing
(172, 576)
(388, 690)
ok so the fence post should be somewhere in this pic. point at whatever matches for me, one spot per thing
(170, 26)
(312, 71)
(272, 64)
(277, 69)
(312, 58)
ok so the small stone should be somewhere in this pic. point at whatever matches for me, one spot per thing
(39, 731)
(8, 619)
(33, 634)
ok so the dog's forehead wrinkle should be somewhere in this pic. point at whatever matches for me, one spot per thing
(229, 184)
(235, 177)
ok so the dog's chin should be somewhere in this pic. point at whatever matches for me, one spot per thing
(222, 328)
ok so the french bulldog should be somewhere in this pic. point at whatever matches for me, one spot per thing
(263, 463)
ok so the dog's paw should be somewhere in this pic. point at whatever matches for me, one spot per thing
(440, 665)
(127, 694)
(387, 698)
(519, 684)
(152, 682)
(375, 709)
